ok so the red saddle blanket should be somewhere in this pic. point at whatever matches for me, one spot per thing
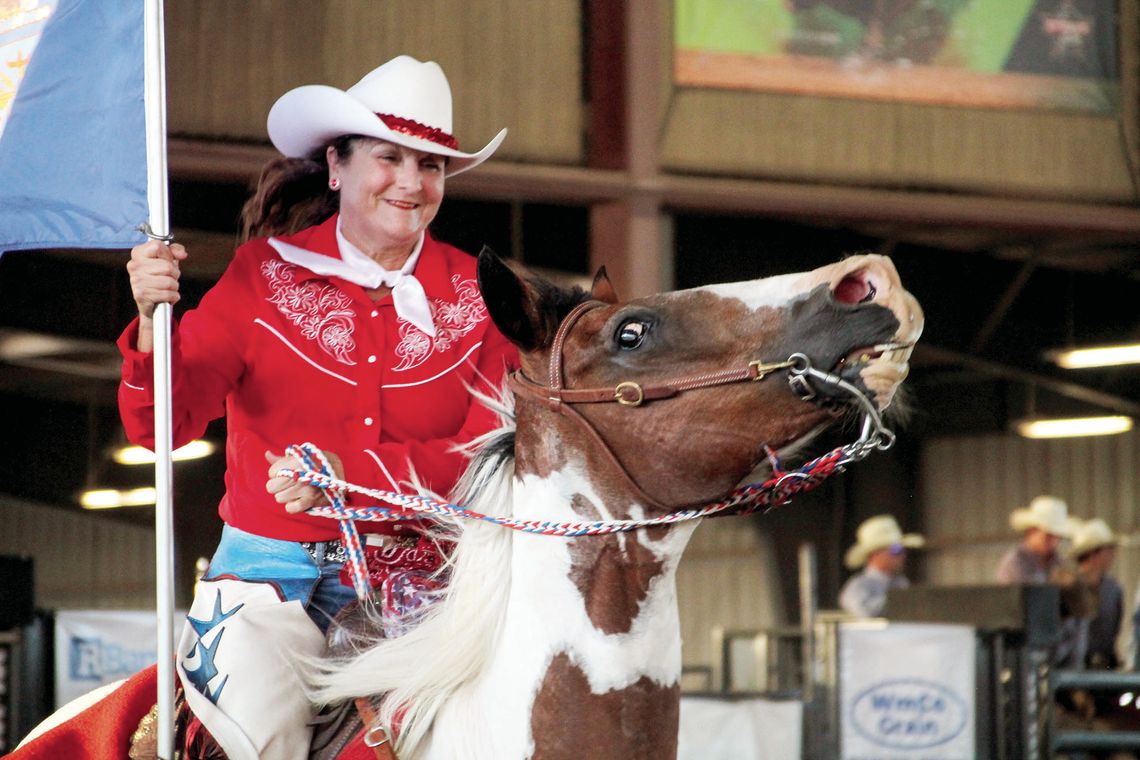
(103, 731)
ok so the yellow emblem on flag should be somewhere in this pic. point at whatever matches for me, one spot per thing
(21, 23)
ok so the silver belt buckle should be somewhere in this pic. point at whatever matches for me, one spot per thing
(335, 550)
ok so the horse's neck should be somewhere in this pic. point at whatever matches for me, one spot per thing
(589, 661)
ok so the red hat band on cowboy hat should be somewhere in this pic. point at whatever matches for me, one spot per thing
(404, 101)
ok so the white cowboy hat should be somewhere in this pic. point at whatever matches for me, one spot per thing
(1091, 535)
(404, 101)
(876, 533)
(1048, 513)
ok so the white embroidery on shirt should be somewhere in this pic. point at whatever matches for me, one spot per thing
(452, 321)
(321, 311)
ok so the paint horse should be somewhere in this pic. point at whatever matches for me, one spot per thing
(554, 648)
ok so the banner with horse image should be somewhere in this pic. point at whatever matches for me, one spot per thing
(906, 691)
(1054, 54)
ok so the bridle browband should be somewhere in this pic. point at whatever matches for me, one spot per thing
(557, 397)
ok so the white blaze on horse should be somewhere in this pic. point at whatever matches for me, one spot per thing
(554, 648)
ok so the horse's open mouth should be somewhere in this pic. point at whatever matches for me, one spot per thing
(859, 357)
(877, 369)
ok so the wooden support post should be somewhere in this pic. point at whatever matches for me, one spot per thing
(629, 235)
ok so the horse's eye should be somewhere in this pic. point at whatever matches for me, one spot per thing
(631, 334)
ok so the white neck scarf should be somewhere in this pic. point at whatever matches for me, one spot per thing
(357, 267)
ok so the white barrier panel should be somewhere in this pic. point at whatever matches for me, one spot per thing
(742, 729)
(97, 647)
(906, 690)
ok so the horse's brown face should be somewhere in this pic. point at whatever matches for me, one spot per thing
(852, 318)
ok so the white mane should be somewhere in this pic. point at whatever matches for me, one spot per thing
(450, 646)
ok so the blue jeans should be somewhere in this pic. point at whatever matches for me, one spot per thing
(287, 566)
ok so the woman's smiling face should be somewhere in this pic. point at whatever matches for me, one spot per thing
(389, 194)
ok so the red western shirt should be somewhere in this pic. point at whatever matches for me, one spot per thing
(291, 356)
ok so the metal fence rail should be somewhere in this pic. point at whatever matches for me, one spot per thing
(1090, 740)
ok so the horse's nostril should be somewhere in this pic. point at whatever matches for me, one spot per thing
(855, 288)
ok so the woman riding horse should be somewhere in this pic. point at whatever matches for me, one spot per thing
(561, 640)
(346, 323)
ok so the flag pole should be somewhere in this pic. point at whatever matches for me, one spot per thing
(159, 223)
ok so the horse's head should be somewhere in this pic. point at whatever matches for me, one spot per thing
(672, 398)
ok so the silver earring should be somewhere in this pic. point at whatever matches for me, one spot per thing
(334, 184)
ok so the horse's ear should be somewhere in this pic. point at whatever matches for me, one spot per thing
(526, 308)
(511, 301)
(602, 289)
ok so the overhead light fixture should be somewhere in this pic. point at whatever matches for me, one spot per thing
(56, 353)
(110, 498)
(196, 449)
(1096, 356)
(1073, 427)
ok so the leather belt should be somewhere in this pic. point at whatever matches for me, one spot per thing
(334, 549)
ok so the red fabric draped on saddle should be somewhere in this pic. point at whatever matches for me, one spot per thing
(102, 731)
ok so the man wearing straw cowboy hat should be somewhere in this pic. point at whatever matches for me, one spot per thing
(1094, 549)
(880, 549)
(1035, 560)
(1043, 525)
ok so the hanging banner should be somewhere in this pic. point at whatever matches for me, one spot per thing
(1058, 54)
(73, 159)
(906, 691)
(97, 647)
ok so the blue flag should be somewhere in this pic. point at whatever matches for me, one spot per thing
(72, 124)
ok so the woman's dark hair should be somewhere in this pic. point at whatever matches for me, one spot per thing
(293, 193)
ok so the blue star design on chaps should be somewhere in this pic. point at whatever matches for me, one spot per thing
(206, 670)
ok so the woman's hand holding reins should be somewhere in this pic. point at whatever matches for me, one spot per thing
(154, 270)
(297, 497)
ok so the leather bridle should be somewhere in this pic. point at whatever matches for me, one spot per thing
(802, 377)
(557, 397)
